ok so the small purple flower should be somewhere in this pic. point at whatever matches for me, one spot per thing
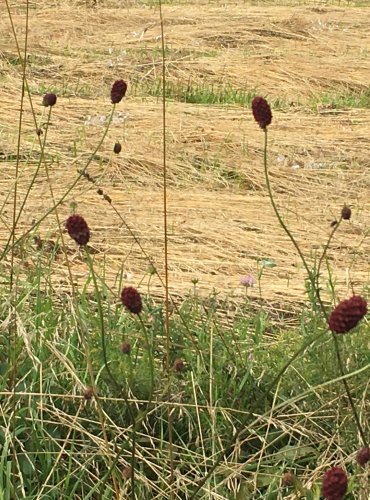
(247, 281)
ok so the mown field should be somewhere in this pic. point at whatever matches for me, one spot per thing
(311, 61)
(62, 321)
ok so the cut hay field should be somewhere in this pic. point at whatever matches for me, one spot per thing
(310, 59)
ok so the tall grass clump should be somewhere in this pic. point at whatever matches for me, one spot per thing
(109, 391)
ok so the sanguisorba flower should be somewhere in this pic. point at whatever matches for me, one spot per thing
(179, 365)
(49, 99)
(346, 213)
(118, 91)
(117, 148)
(347, 314)
(78, 229)
(261, 111)
(125, 348)
(363, 455)
(335, 483)
(131, 299)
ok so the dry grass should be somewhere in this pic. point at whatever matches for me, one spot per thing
(219, 215)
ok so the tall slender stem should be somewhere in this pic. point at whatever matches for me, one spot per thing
(167, 314)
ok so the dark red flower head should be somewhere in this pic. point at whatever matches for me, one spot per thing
(125, 348)
(131, 299)
(363, 456)
(78, 229)
(334, 485)
(347, 314)
(179, 365)
(118, 91)
(346, 213)
(88, 392)
(117, 148)
(261, 111)
(127, 472)
(49, 99)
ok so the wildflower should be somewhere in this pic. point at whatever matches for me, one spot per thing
(288, 479)
(131, 299)
(363, 455)
(127, 472)
(261, 111)
(49, 99)
(88, 393)
(178, 365)
(247, 281)
(117, 148)
(346, 213)
(78, 229)
(118, 91)
(125, 348)
(347, 314)
(334, 484)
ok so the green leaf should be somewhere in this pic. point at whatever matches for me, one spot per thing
(268, 263)
(294, 453)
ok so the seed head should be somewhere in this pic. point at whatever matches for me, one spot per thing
(125, 348)
(179, 365)
(363, 456)
(49, 99)
(78, 229)
(347, 314)
(261, 111)
(131, 299)
(334, 484)
(117, 148)
(346, 213)
(118, 91)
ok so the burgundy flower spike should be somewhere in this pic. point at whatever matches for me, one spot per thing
(347, 314)
(131, 299)
(261, 111)
(118, 91)
(335, 484)
(49, 99)
(363, 456)
(78, 229)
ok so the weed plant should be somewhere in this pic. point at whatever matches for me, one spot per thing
(107, 392)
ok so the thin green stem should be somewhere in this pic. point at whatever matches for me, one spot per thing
(167, 313)
(277, 213)
(348, 391)
(12, 288)
(101, 320)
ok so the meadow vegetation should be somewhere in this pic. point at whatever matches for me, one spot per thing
(174, 264)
